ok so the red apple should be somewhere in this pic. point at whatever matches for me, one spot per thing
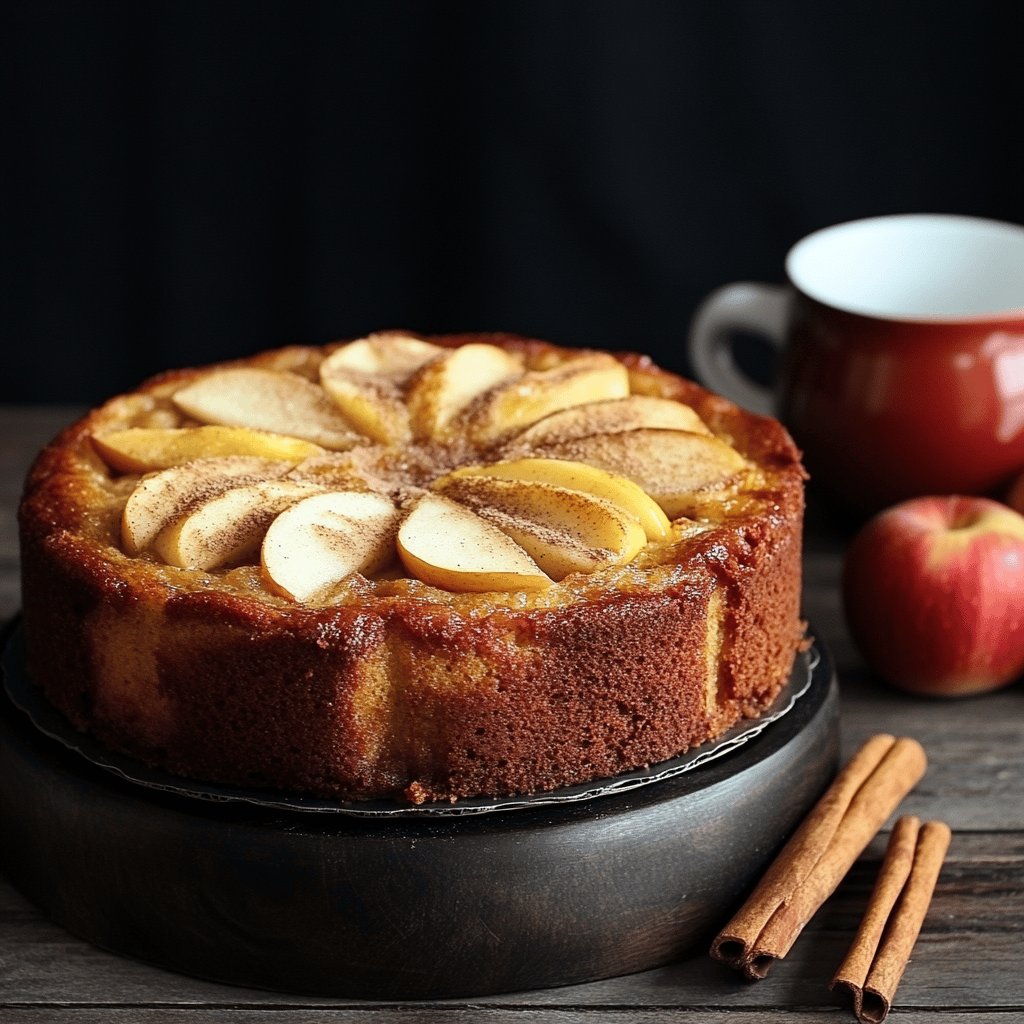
(934, 594)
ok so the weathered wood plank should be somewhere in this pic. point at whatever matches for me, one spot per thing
(967, 956)
(24, 430)
(484, 1015)
(10, 592)
(8, 534)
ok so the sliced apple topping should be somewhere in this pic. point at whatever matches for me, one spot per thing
(367, 379)
(282, 468)
(315, 544)
(445, 386)
(374, 406)
(227, 529)
(612, 417)
(562, 530)
(672, 466)
(145, 449)
(161, 499)
(386, 354)
(273, 400)
(578, 476)
(514, 405)
(446, 545)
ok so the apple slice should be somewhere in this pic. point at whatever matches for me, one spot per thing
(448, 546)
(516, 404)
(145, 449)
(612, 417)
(578, 476)
(563, 531)
(388, 354)
(445, 386)
(367, 378)
(227, 529)
(273, 400)
(374, 405)
(672, 466)
(160, 499)
(313, 545)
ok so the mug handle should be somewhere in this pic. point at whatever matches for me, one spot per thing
(762, 309)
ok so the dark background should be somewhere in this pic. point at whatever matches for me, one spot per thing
(189, 181)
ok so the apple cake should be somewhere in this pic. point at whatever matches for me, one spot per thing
(413, 568)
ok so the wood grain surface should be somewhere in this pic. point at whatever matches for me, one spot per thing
(965, 968)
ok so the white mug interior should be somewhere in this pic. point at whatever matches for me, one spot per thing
(914, 267)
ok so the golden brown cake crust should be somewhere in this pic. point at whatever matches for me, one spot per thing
(403, 690)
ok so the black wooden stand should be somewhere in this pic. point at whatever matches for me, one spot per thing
(413, 908)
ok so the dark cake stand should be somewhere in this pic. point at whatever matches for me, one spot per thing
(418, 907)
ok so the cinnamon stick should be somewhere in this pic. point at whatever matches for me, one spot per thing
(820, 853)
(881, 948)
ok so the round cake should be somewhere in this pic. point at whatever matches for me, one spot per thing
(419, 568)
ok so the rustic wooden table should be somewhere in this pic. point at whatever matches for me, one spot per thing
(966, 965)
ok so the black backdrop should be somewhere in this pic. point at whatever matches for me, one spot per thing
(187, 181)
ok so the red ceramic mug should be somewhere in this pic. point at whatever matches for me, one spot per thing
(901, 345)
